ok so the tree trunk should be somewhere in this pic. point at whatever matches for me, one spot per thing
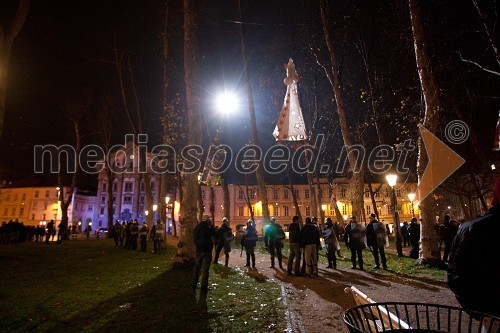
(429, 249)
(7, 36)
(212, 203)
(227, 203)
(294, 196)
(109, 191)
(186, 251)
(357, 177)
(259, 173)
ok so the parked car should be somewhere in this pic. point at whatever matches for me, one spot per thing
(102, 231)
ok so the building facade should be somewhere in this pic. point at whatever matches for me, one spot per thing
(35, 204)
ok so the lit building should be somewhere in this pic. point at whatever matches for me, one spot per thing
(35, 201)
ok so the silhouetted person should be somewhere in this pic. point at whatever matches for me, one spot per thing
(414, 237)
(294, 246)
(474, 266)
(354, 238)
(50, 230)
(224, 236)
(249, 240)
(203, 239)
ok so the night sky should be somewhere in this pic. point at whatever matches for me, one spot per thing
(65, 49)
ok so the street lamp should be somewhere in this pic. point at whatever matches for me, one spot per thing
(392, 180)
(411, 197)
(227, 102)
(155, 207)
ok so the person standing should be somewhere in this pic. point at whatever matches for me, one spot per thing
(117, 232)
(50, 230)
(294, 247)
(448, 231)
(249, 241)
(159, 236)
(354, 238)
(62, 231)
(274, 237)
(414, 237)
(134, 235)
(474, 266)
(143, 236)
(203, 239)
(310, 239)
(224, 236)
(331, 243)
(377, 240)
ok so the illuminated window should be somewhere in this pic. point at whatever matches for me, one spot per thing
(368, 209)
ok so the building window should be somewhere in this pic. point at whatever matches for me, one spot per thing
(240, 194)
(13, 211)
(308, 211)
(128, 186)
(367, 193)
(296, 193)
(90, 208)
(101, 212)
(24, 197)
(344, 209)
(114, 199)
(377, 194)
(307, 194)
(127, 199)
(398, 192)
(115, 186)
(103, 199)
(240, 210)
(343, 193)
(285, 211)
(332, 210)
(36, 194)
(202, 195)
(252, 194)
(21, 211)
(32, 216)
(275, 194)
(285, 194)
(275, 211)
(34, 205)
(368, 210)
(47, 194)
(104, 187)
(141, 199)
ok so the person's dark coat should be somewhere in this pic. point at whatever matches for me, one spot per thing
(474, 266)
(203, 236)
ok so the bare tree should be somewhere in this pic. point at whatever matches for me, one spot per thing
(7, 36)
(259, 172)
(429, 248)
(188, 219)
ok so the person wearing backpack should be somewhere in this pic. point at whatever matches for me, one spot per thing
(331, 243)
(203, 240)
(376, 239)
(274, 237)
(249, 241)
(224, 237)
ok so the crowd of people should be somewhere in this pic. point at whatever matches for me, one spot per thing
(14, 232)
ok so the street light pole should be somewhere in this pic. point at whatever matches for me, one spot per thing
(391, 180)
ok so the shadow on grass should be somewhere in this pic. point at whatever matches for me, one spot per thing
(163, 304)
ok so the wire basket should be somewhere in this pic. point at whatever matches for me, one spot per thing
(418, 317)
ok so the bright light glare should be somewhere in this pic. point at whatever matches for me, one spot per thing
(227, 102)
(392, 179)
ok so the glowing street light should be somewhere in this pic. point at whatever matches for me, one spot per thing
(411, 197)
(146, 212)
(167, 200)
(392, 179)
(227, 102)
(323, 207)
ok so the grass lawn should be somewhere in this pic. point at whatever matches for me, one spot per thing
(91, 286)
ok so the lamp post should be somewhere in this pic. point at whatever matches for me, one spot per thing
(411, 197)
(155, 207)
(392, 180)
